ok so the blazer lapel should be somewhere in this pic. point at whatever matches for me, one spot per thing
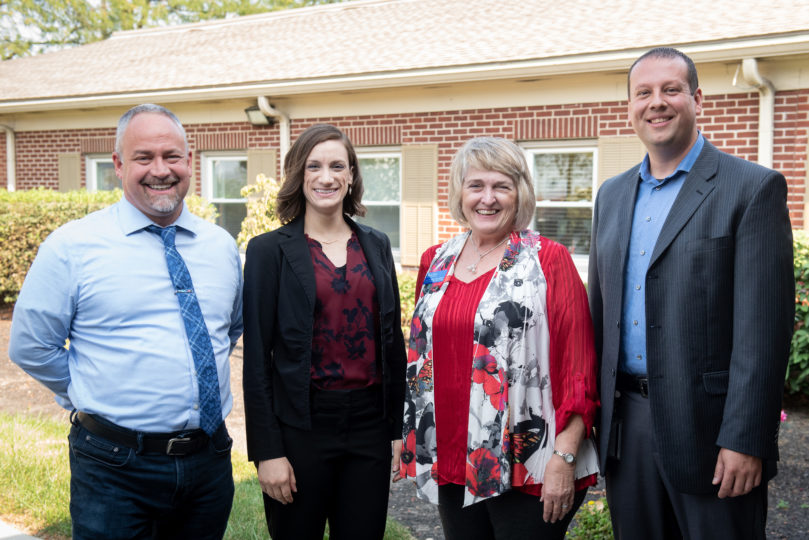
(626, 199)
(698, 184)
(296, 252)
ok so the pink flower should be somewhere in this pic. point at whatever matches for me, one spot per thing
(783, 415)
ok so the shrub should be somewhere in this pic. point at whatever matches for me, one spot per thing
(28, 217)
(261, 215)
(407, 299)
(797, 379)
(592, 521)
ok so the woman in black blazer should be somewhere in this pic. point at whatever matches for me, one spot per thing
(324, 358)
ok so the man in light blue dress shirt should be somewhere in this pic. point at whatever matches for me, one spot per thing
(140, 464)
(691, 290)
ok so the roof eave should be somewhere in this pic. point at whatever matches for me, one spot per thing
(719, 51)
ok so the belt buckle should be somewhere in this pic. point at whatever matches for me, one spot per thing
(177, 440)
(644, 386)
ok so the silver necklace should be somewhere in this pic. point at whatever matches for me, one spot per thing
(474, 267)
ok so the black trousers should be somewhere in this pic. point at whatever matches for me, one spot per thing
(511, 516)
(644, 505)
(342, 470)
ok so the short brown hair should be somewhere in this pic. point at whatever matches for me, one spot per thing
(499, 155)
(667, 52)
(291, 202)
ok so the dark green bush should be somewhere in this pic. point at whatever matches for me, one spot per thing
(28, 217)
(797, 380)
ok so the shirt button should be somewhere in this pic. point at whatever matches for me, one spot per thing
(196, 406)
(657, 188)
(637, 287)
(639, 357)
(648, 218)
(643, 252)
(635, 323)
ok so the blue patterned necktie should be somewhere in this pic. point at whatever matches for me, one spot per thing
(210, 408)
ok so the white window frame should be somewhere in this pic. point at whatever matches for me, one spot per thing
(581, 260)
(90, 162)
(206, 168)
(375, 152)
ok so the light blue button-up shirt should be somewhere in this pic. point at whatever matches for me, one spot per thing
(102, 282)
(654, 200)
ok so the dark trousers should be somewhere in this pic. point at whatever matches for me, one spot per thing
(342, 470)
(118, 493)
(643, 503)
(511, 516)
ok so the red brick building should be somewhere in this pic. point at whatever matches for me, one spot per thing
(410, 81)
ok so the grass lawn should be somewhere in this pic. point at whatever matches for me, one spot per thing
(35, 483)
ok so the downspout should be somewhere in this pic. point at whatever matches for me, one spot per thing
(283, 126)
(11, 158)
(766, 108)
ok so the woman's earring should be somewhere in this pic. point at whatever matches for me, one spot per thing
(349, 190)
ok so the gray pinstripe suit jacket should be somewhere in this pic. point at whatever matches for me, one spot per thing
(720, 298)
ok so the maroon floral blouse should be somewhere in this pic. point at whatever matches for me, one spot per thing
(344, 338)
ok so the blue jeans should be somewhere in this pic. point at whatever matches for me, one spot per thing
(117, 493)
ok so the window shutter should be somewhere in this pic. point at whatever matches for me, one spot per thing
(617, 154)
(419, 172)
(69, 172)
(261, 162)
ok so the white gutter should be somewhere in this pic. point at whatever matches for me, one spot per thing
(283, 126)
(766, 108)
(11, 158)
(724, 51)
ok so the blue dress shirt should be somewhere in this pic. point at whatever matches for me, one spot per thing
(652, 206)
(102, 282)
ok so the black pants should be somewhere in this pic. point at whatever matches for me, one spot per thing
(511, 516)
(342, 470)
(645, 505)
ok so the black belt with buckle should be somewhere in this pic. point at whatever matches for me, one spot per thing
(632, 383)
(178, 443)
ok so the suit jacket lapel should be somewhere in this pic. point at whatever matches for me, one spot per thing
(698, 184)
(626, 199)
(296, 252)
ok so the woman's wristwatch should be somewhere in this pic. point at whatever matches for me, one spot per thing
(570, 459)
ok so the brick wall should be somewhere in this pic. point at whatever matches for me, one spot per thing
(730, 121)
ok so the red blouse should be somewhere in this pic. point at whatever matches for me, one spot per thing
(346, 311)
(572, 356)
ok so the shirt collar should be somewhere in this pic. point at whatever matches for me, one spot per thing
(684, 166)
(133, 220)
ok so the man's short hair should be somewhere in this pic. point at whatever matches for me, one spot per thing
(123, 122)
(668, 52)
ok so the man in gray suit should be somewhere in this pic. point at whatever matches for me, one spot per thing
(692, 295)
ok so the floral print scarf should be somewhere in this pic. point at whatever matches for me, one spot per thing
(511, 416)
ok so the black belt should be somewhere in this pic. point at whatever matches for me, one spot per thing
(178, 443)
(632, 383)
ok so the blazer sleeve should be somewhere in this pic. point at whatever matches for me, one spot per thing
(763, 318)
(261, 274)
(398, 356)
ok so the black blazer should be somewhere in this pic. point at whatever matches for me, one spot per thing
(720, 296)
(279, 304)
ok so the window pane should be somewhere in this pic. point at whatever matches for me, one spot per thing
(105, 176)
(231, 216)
(229, 177)
(380, 177)
(568, 226)
(564, 176)
(384, 218)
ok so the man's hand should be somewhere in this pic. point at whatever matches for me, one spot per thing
(738, 473)
(277, 479)
(395, 462)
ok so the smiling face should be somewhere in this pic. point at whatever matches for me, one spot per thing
(489, 203)
(326, 177)
(662, 109)
(154, 167)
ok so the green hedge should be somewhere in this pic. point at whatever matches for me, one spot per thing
(797, 381)
(28, 217)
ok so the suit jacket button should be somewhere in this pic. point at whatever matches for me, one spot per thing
(617, 393)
